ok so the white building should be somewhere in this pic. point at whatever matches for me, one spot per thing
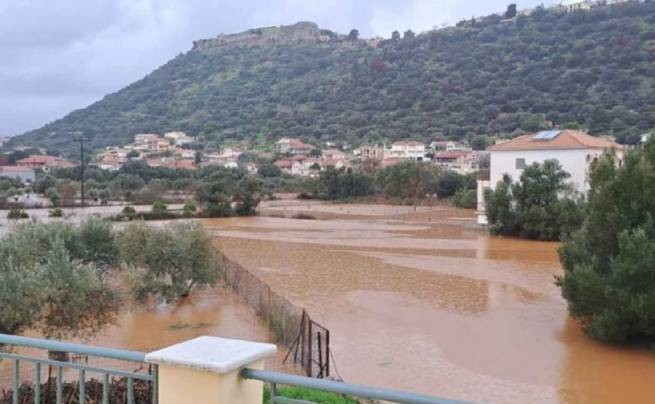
(25, 174)
(406, 149)
(178, 138)
(574, 150)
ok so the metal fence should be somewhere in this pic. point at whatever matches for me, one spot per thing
(274, 379)
(76, 364)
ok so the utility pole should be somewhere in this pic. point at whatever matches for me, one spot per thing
(81, 139)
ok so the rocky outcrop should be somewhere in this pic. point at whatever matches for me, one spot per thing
(301, 31)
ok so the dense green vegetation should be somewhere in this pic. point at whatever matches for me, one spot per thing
(594, 69)
(539, 206)
(408, 181)
(219, 191)
(64, 281)
(609, 264)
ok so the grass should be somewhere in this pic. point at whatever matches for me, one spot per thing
(317, 396)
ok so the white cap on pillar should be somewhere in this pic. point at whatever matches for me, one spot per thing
(212, 354)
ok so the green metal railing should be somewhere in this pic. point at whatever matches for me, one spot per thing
(83, 370)
(356, 390)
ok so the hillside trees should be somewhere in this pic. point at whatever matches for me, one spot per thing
(595, 69)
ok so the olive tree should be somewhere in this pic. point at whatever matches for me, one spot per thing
(51, 281)
(166, 263)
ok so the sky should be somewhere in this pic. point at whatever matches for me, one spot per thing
(58, 56)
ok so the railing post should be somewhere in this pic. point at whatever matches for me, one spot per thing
(207, 370)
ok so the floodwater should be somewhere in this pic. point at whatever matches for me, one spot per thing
(217, 311)
(421, 300)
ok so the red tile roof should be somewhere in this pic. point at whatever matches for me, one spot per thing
(566, 140)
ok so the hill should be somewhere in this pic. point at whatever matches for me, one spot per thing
(592, 69)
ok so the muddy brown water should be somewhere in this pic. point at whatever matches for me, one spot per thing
(217, 311)
(419, 300)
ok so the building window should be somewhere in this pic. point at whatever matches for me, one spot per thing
(520, 164)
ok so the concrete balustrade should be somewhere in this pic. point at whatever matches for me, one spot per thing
(206, 370)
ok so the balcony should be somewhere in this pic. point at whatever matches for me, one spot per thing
(203, 370)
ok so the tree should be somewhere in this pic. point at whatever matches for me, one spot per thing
(133, 154)
(167, 263)
(53, 195)
(540, 205)
(511, 11)
(449, 182)
(395, 36)
(51, 281)
(315, 152)
(479, 143)
(197, 157)
(269, 170)
(409, 34)
(409, 180)
(609, 264)
(248, 195)
(353, 35)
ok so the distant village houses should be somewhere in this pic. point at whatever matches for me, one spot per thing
(292, 146)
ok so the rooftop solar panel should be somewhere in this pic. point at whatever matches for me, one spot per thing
(547, 135)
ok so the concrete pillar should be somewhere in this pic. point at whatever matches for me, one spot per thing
(206, 370)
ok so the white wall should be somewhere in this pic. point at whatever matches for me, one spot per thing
(575, 162)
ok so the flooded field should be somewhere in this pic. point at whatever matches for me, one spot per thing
(422, 300)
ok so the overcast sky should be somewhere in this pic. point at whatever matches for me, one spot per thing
(57, 56)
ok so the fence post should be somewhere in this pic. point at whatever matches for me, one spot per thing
(206, 370)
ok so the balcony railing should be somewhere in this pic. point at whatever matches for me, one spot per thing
(225, 364)
(355, 390)
(71, 370)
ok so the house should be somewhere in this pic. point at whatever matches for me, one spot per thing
(645, 137)
(574, 150)
(44, 162)
(304, 166)
(293, 146)
(460, 161)
(406, 149)
(148, 142)
(25, 174)
(333, 154)
(369, 153)
(446, 145)
(250, 167)
(284, 165)
(578, 5)
(178, 138)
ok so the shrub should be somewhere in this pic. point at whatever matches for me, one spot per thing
(17, 213)
(303, 394)
(467, 199)
(189, 208)
(129, 212)
(56, 212)
(159, 206)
